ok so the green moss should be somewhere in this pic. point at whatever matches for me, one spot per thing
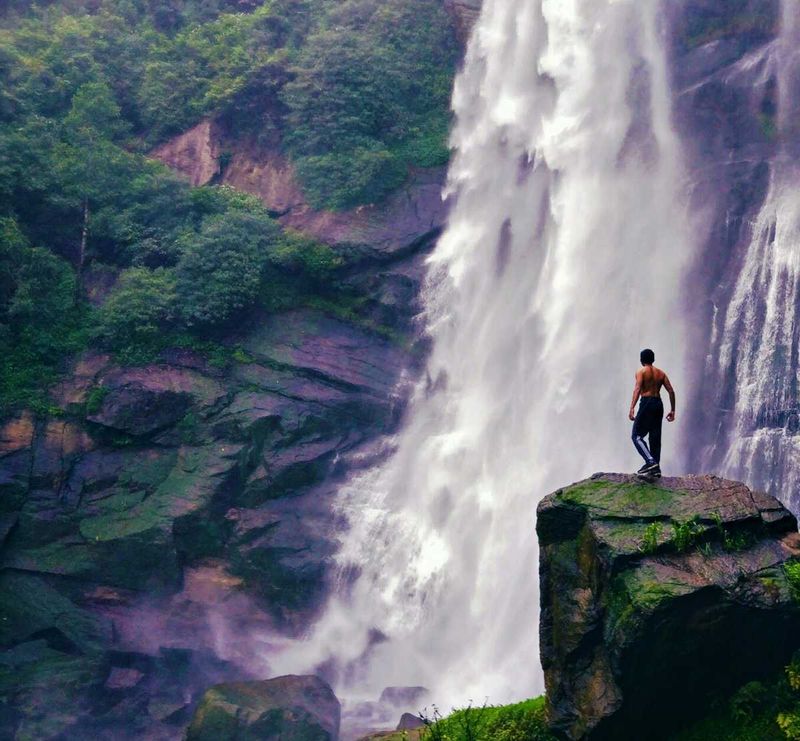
(635, 500)
(240, 356)
(29, 605)
(737, 20)
(148, 469)
(645, 589)
(63, 556)
(769, 126)
(94, 399)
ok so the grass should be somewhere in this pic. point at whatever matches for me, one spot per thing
(686, 534)
(523, 721)
(651, 536)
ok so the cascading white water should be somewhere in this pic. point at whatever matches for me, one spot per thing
(561, 260)
(756, 346)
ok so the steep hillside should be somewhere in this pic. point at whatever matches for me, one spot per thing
(188, 371)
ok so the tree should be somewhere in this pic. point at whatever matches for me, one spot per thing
(221, 268)
(91, 165)
(140, 309)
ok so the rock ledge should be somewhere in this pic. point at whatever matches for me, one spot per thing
(654, 597)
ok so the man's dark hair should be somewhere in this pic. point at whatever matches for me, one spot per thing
(647, 357)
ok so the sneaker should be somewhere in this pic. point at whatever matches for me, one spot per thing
(656, 474)
(648, 469)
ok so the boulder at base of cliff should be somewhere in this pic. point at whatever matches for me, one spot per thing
(657, 598)
(290, 708)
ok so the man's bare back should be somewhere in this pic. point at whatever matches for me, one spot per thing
(647, 421)
(649, 381)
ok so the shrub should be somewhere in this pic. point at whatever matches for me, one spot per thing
(731, 541)
(341, 180)
(298, 254)
(221, 268)
(140, 309)
(792, 571)
(749, 701)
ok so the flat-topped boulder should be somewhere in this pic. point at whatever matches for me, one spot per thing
(654, 597)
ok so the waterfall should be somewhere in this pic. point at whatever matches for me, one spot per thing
(561, 260)
(756, 341)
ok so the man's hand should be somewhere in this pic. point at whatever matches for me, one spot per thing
(631, 415)
(671, 417)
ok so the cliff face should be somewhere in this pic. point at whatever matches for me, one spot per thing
(175, 515)
(208, 153)
(726, 72)
(656, 597)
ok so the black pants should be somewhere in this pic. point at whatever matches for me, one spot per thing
(648, 423)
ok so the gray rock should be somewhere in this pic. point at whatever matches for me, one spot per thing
(646, 588)
(301, 708)
(141, 401)
(409, 722)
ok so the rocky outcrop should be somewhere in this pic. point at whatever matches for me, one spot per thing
(194, 153)
(290, 707)
(172, 515)
(413, 213)
(656, 596)
(465, 13)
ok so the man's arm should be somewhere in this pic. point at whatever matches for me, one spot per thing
(671, 392)
(637, 392)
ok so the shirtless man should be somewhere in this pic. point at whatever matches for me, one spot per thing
(647, 421)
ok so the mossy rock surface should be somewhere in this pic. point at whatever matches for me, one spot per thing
(290, 708)
(645, 588)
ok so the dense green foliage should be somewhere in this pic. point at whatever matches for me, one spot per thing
(369, 94)
(357, 90)
(522, 721)
(759, 711)
(39, 320)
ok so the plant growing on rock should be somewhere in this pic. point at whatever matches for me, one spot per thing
(686, 534)
(731, 541)
(789, 719)
(792, 571)
(652, 533)
(746, 703)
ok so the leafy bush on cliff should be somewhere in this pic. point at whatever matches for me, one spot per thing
(758, 711)
(221, 268)
(140, 309)
(39, 321)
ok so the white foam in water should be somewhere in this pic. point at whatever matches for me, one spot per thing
(562, 259)
(755, 345)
